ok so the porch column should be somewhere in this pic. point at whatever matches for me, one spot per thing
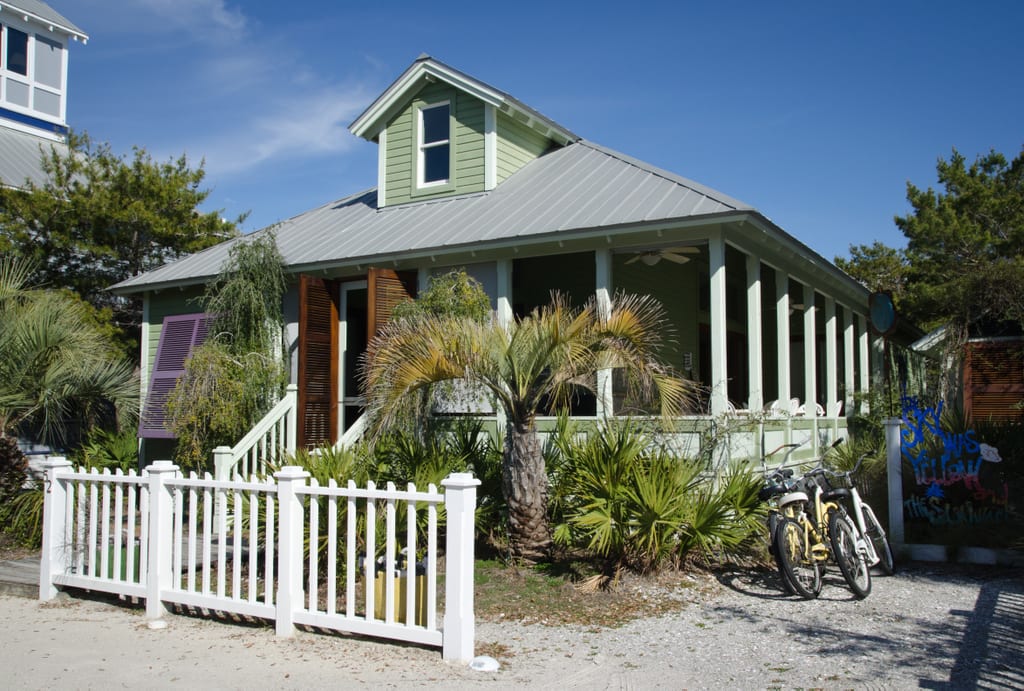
(719, 360)
(755, 365)
(831, 354)
(603, 287)
(849, 386)
(863, 361)
(782, 340)
(810, 353)
(503, 300)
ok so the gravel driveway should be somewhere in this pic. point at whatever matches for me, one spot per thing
(928, 627)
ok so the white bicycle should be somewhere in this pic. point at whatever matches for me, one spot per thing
(869, 528)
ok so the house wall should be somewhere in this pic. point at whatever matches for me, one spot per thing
(518, 144)
(467, 143)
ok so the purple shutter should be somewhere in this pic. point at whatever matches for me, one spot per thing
(180, 334)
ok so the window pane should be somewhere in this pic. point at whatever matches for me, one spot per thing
(46, 102)
(435, 124)
(17, 51)
(435, 163)
(48, 62)
(17, 93)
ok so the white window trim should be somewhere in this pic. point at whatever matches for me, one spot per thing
(29, 80)
(420, 146)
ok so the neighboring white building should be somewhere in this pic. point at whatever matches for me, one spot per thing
(34, 41)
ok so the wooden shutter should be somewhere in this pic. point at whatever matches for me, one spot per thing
(993, 380)
(318, 362)
(387, 288)
(179, 335)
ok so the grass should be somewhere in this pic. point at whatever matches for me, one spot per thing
(559, 595)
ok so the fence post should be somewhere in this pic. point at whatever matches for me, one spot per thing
(56, 543)
(289, 553)
(161, 535)
(894, 462)
(222, 463)
(459, 621)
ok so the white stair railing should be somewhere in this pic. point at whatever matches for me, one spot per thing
(353, 434)
(265, 445)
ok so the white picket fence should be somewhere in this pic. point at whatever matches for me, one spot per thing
(244, 547)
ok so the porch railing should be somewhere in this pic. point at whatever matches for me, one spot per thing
(265, 445)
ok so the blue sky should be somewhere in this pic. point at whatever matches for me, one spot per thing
(816, 113)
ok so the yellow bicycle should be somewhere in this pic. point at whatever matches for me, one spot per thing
(815, 529)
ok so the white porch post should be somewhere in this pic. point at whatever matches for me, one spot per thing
(782, 347)
(719, 361)
(755, 364)
(863, 360)
(831, 354)
(503, 300)
(849, 385)
(603, 271)
(810, 352)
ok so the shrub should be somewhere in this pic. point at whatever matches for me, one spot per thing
(13, 468)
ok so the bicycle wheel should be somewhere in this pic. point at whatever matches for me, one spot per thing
(801, 570)
(773, 524)
(873, 531)
(851, 562)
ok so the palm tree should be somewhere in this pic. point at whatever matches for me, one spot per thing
(55, 362)
(529, 367)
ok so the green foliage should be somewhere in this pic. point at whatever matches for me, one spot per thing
(630, 503)
(13, 468)
(22, 515)
(100, 218)
(217, 400)
(110, 449)
(452, 294)
(55, 364)
(232, 380)
(878, 267)
(246, 299)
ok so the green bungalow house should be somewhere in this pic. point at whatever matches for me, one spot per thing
(470, 177)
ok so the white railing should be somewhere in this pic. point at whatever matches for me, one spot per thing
(244, 547)
(265, 445)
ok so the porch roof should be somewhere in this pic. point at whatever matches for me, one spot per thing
(572, 192)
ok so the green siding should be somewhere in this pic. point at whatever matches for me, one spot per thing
(676, 287)
(518, 144)
(467, 142)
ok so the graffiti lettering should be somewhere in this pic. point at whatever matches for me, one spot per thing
(943, 461)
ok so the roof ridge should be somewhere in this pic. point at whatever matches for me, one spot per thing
(709, 192)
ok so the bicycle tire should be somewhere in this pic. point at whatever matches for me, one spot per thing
(873, 531)
(852, 563)
(801, 571)
(773, 524)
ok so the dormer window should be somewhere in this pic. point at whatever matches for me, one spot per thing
(434, 145)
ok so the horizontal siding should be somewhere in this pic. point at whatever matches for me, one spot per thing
(398, 166)
(518, 144)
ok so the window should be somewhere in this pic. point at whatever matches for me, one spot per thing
(34, 86)
(434, 145)
(16, 51)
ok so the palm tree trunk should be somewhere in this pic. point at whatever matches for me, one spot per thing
(525, 485)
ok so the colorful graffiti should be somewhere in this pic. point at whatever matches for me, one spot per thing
(955, 474)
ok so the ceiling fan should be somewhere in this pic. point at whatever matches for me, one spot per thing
(676, 255)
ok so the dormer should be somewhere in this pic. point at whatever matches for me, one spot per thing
(442, 133)
(34, 42)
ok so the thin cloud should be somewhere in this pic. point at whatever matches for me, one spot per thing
(312, 125)
(201, 18)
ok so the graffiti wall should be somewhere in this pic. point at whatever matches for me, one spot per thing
(957, 491)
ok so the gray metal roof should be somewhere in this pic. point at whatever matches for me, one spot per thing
(43, 13)
(580, 187)
(21, 157)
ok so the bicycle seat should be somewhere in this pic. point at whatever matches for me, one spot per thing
(837, 493)
(792, 497)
